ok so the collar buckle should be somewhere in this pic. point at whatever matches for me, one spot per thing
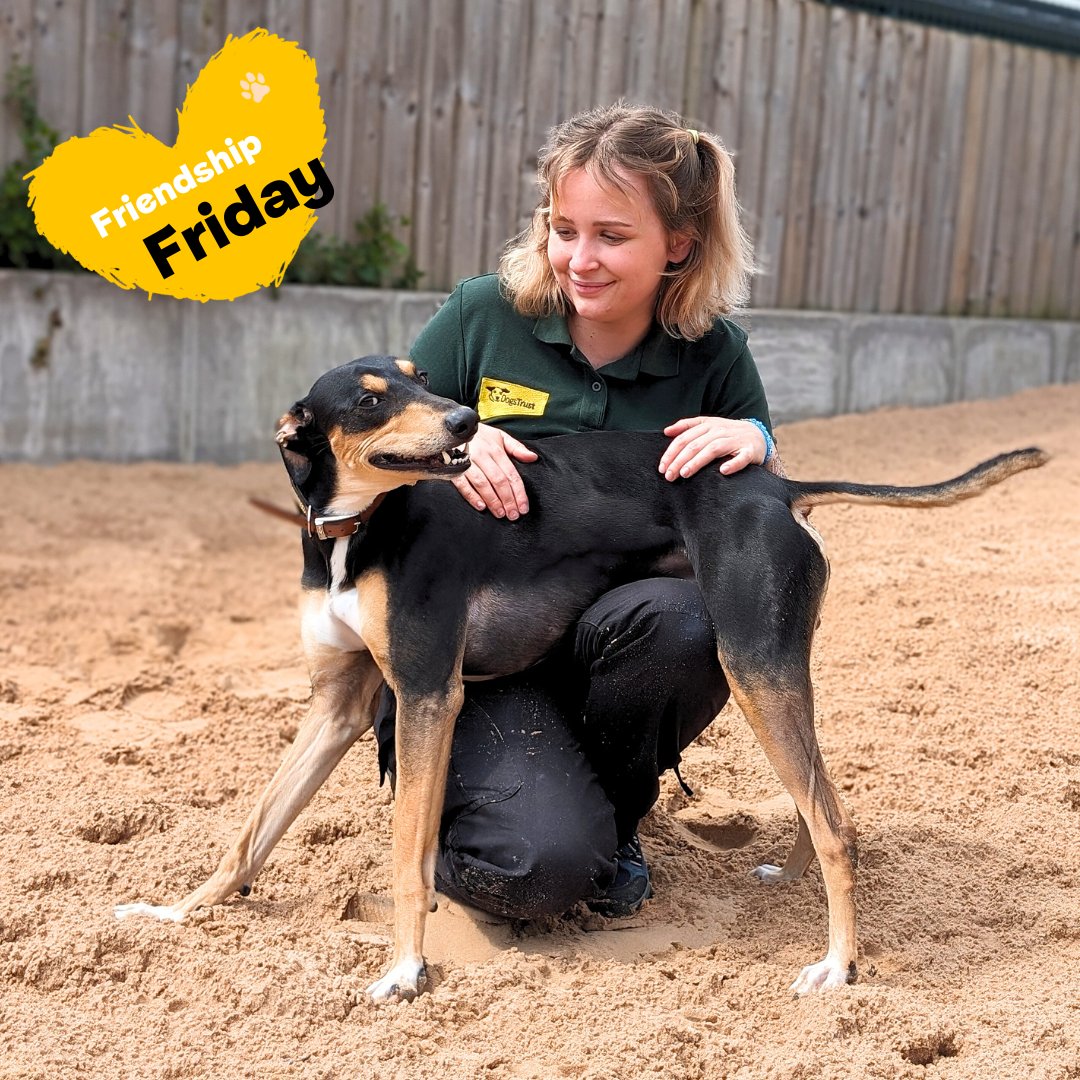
(344, 525)
(332, 527)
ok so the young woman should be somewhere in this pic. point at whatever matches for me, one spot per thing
(607, 313)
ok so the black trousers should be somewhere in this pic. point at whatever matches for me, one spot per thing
(552, 769)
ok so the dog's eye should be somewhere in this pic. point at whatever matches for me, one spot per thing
(369, 401)
(422, 376)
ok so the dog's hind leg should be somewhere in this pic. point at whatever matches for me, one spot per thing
(765, 610)
(344, 690)
(797, 862)
(782, 719)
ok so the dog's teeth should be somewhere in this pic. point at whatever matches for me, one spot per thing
(447, 459)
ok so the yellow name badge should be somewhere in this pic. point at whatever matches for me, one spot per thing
(500, 398)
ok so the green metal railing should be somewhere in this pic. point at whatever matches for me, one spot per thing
(1030, 22)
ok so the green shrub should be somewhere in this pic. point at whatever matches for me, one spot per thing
(21, 245)
(376, 257)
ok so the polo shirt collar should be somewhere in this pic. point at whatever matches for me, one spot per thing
(553, 329)
(657, 354)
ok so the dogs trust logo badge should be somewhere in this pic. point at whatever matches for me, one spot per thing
(500, 398)
(219, 214)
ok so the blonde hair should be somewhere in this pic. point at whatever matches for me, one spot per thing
(691, 180)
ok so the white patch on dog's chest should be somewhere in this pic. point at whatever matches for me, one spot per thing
(333, 620)
(337, 562)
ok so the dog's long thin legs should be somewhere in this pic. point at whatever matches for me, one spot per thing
(344, 687)
(425, 730)
(783, 722)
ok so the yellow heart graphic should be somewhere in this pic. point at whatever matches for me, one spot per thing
(219, 214)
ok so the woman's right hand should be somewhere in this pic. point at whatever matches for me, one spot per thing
(492, 481)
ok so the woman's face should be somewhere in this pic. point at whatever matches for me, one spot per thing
(608, 249)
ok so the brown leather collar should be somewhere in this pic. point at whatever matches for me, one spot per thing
(322, 527)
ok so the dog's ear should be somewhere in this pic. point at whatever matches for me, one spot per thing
(292, 438)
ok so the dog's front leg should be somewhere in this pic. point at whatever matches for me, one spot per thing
(425, 729)
(344, 690)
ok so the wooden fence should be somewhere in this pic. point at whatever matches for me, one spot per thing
(884, 166)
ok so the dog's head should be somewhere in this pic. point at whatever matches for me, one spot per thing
(372, 425)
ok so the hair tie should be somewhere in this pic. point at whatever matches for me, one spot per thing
(695, 135)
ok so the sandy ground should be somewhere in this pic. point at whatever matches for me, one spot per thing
(151, 677)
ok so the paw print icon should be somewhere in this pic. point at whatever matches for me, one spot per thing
(254, 87)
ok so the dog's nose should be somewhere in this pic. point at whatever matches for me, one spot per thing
(462, 423)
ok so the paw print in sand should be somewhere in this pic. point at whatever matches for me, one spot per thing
(254, 87)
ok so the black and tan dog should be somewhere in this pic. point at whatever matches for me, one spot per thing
(409, 584)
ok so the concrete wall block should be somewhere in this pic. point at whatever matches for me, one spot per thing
(85, 373)
(89, 370)
(900, 361)
(413, 311)
(801, 363)
(259, 354)
(1061, 334)
(26, 370)
(124, 361)
(1002, 357)
(1070, 371)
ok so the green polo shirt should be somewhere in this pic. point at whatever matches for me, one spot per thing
(527, 377)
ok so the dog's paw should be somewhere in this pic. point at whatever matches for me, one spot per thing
(769, 873)
(152, 911)
(827, 974)
(401, 983)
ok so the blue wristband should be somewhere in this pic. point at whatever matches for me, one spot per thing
(770, 446)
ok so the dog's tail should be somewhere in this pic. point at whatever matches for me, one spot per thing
(974, 482)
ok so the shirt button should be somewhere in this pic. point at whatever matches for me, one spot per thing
(597, 386)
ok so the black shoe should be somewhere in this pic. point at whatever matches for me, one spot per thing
(631, 887)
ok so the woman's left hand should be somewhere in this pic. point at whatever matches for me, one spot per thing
(699, 440)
